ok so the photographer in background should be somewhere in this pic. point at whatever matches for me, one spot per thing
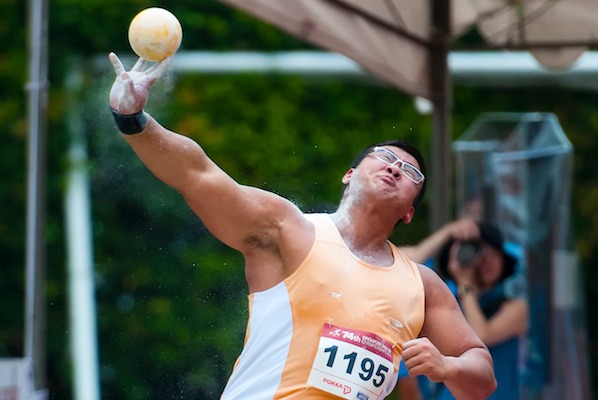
(473, 259)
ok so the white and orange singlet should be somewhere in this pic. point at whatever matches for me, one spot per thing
(333, 329)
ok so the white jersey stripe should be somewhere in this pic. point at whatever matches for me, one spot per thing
(258, 372)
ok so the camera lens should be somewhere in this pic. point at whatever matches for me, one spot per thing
(467, 252)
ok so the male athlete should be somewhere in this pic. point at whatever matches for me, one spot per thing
(334, 306)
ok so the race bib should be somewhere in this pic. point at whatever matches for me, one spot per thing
(351, 364)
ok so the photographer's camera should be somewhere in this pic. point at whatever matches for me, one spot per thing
(468, 251)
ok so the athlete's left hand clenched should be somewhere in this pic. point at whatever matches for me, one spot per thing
(421, 357)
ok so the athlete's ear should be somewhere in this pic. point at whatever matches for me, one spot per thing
(347, 176)
(409, 216)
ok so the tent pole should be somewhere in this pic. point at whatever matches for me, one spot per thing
(35, 316)
(441, 161)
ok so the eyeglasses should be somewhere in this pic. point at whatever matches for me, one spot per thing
(390, 158)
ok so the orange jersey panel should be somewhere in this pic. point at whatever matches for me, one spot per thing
(331, 287)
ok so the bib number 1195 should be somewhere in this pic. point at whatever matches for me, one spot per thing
(351, 364)
(367, 366)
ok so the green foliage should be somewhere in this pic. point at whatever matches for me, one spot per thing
(171, 299)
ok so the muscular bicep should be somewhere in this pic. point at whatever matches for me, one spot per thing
(245, 218)
(445, 325)
(240, 216)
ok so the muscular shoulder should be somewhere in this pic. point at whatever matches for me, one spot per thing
(275, 251)
(430, 278)
(273, 220)
(436, 290)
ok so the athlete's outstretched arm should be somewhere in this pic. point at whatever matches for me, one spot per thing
(448, 350)
(243, 217)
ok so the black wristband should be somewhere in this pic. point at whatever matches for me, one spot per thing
(130, 124)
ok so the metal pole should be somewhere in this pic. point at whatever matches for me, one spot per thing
(441, 161)
(36, 178)
(83, 326)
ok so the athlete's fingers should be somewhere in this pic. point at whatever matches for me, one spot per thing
(157, 70)
(140, 65)
(116, 64)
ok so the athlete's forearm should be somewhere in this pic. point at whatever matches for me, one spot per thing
(471, 375)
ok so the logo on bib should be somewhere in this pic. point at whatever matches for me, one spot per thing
(345, 388)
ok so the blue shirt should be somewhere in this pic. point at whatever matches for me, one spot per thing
(505, 355)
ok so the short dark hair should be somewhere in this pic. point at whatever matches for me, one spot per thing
(403, 145)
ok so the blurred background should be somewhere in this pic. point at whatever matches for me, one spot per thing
(170, 301)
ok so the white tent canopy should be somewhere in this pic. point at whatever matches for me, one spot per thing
(407, 43)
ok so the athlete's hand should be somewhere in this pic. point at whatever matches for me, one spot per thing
(421, 357)
(130, 89)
